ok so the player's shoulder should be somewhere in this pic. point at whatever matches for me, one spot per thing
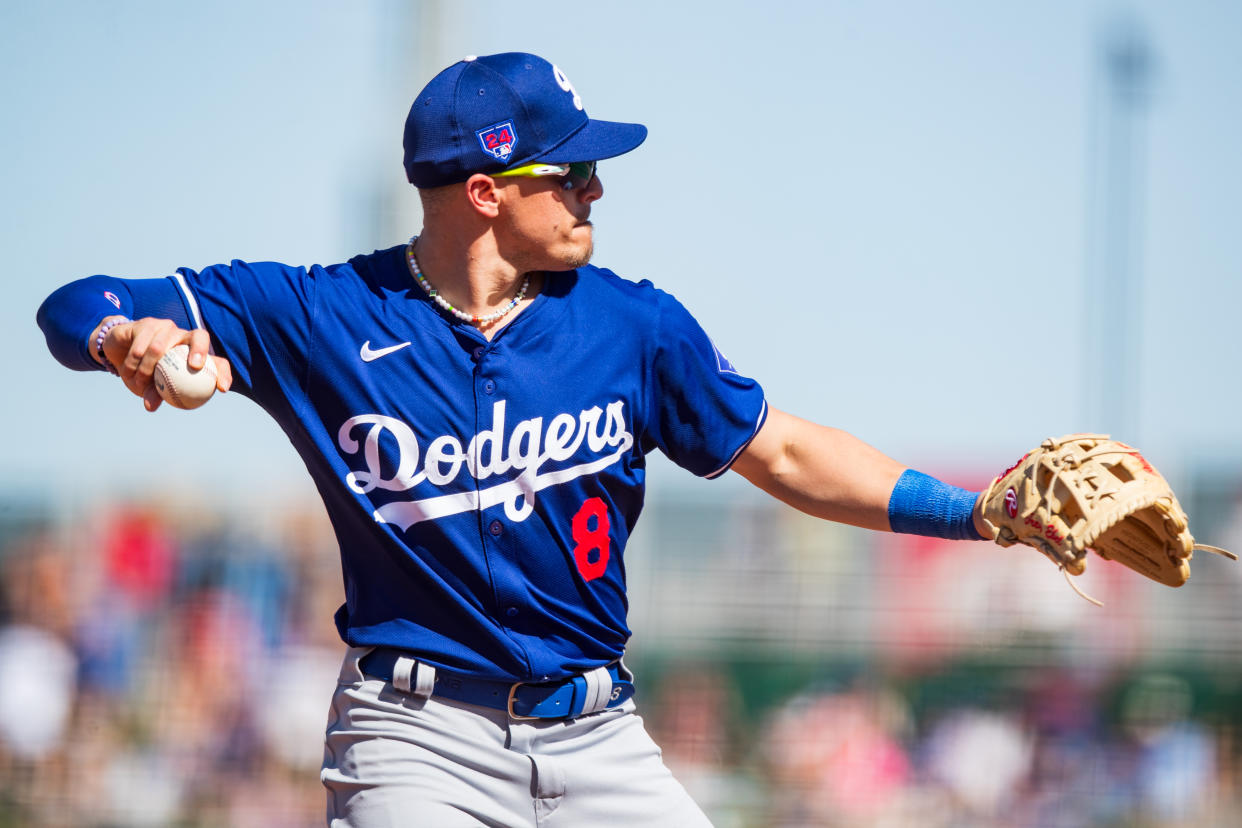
(377, 266)
(603, 284)
(602, 278)
(378, 273)
(379, 269)
(278, 286)
(642, 298)
(600, 298)
(379, 263)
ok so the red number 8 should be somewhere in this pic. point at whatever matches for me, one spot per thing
(588, 539)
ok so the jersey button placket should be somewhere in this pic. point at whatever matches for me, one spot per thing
(496, 535)
(506, 598)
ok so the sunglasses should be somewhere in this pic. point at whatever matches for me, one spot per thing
(576, 175)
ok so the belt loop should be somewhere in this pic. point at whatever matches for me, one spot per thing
(413, 677)
(598, 690)
(401, 670)
(424, 680)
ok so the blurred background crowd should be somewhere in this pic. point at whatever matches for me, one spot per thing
(164, 666)
(134, 646)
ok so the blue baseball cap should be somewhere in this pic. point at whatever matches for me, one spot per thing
(487, 114)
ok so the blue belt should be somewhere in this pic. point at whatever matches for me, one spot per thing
(563, 699)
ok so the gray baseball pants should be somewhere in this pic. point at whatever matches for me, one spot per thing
(396, 759)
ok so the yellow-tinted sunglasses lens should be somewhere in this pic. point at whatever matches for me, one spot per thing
(533, 171)
(576, 175)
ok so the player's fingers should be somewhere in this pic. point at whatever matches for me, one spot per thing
(224, 373)
(142, 332)
(151, 398)
(200, 343)
(164, 335)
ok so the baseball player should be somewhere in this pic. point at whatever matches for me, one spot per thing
(475, 407)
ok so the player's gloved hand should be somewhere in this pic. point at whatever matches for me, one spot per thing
(1084, 491)
(134, 349)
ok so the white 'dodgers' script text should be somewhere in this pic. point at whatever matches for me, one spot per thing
(528, 448)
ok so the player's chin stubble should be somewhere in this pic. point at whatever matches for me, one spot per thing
(580, 258)
(582, 255)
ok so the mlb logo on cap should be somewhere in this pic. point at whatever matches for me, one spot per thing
(498, 140)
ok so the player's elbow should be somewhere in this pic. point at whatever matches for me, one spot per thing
(63, 324)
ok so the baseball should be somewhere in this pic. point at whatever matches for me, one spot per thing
(181, 386)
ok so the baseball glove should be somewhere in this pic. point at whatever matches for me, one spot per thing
(1085, 491)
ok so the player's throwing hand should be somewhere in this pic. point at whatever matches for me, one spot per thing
(134, 348)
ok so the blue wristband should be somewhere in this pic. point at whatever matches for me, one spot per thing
(922, 505)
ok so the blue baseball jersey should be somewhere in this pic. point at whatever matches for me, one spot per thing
(482, 492)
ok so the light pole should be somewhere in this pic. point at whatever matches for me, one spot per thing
(1115, 237)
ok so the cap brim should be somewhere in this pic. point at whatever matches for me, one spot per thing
(595, 142)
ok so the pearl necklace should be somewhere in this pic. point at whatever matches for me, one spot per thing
(444, 303)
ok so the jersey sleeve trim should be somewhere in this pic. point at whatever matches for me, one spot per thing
(763, 416)
(190, 302)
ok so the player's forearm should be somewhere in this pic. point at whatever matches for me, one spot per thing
(72, 316)
(831, 474)
(822, 471)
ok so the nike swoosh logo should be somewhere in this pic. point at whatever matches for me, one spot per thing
(370, 356)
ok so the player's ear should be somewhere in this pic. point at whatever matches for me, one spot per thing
(483, 194)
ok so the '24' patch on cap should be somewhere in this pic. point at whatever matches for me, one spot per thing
(498, 140)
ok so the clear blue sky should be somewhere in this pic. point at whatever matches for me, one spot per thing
(878, 209)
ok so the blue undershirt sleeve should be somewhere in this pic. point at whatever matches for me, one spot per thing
(69, 316)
